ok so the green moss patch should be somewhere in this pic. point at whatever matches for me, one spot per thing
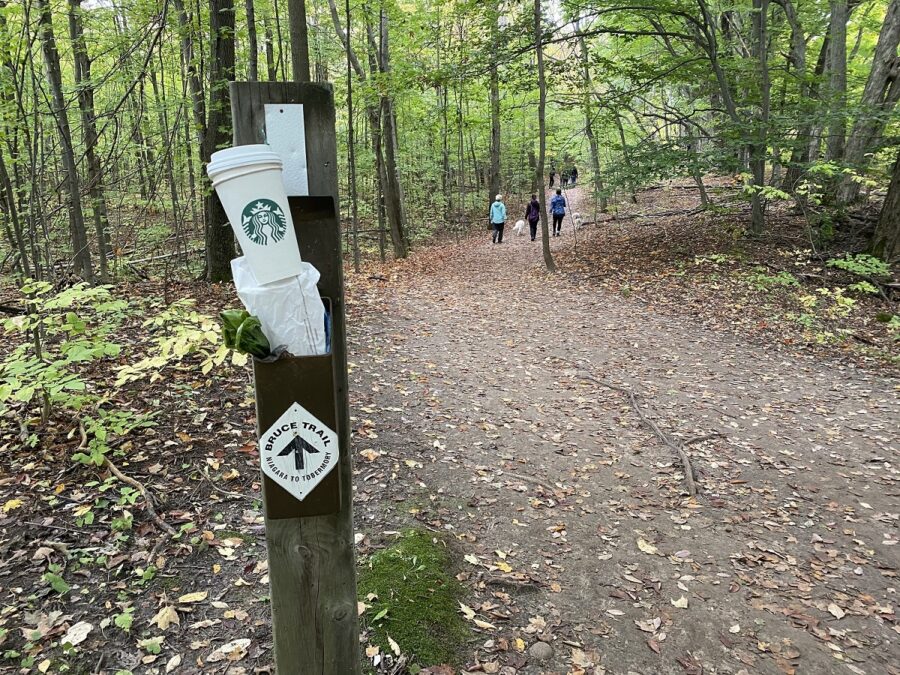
(415, 599)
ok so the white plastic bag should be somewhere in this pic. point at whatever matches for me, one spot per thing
(290, 311)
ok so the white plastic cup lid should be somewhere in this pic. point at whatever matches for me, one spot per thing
(241, 156)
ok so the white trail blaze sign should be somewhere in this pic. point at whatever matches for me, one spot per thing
(298, 451)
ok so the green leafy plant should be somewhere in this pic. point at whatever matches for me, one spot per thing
(58, 335)
(243, 333)
(181, 332)
(53, 579)
(861, 265)
(761, 280)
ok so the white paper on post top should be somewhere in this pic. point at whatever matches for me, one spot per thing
(298, 451)
(286, 135)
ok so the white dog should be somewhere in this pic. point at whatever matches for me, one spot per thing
(519, 228)
(579, 223)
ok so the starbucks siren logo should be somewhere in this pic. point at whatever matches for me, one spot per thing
(264, 222)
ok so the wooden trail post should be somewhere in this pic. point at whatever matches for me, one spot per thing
(312, 570)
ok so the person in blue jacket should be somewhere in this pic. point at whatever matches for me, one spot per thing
(558, 211)
(498, 219)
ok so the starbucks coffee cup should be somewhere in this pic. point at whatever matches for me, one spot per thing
(249, 183)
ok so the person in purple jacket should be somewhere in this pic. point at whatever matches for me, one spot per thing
(533, 215)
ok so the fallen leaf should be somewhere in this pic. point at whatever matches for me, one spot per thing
(394, 646)
(680, 603)
(77, 633)
(468, 611)
(197, 596)
(836, 611)
(12, 504)
(484, 624)
(647, 547)
(736, 628)
(648, 625)
(233, 651)
(173, 663)
(165, 617)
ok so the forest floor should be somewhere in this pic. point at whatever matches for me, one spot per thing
(507, 388)
(491, 404)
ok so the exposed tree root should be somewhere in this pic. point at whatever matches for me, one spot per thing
(690, 477)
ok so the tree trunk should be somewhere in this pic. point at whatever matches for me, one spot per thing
(879, 97)
(494, 175)
(299, 40)
(271, 72)
(757, 148)
(219, 238)
(599, 194)
(394, 192)
(89, 134)
(351, 150)
(626, 155)
(71, 185)
(542, 133)
(886, 240)
(837, 127)
(252, 47)
(803, 143)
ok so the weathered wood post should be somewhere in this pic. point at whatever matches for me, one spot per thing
(312, 571)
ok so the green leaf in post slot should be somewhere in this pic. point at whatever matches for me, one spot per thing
(243, 333)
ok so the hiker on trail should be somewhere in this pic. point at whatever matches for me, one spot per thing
(565, 178)
(552, 176)
(558, 210)
(574, 174)
(533, 215)
(498, 219)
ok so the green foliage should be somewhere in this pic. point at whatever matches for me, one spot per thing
(861, 265)
(59, 335)
(125, 619)
(53, 579)
(243, 333)
(761, 280)
(414, 599)
(180, 332)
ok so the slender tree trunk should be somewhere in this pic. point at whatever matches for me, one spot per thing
(394, 192)
(71, 184)
(299, 40)
(803, 142)
(837, 126)
(219, 238)
(271, 72)
(758, 146)
(494, 173)
(351, 150)
(886, 240)
(89, 134)
(599, 193)
(626, 155)
(252, 47)
(542, 133)
(878, 100)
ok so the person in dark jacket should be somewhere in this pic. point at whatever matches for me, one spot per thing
(533, 215)
(552, 176)
(558, 210)
(573, 174)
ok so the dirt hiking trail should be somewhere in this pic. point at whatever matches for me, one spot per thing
(479, 378)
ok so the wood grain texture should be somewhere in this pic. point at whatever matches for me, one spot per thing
(312, 567)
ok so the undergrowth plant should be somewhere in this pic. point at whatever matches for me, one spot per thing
(66, 347)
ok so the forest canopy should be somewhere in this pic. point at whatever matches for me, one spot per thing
(109, 111)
